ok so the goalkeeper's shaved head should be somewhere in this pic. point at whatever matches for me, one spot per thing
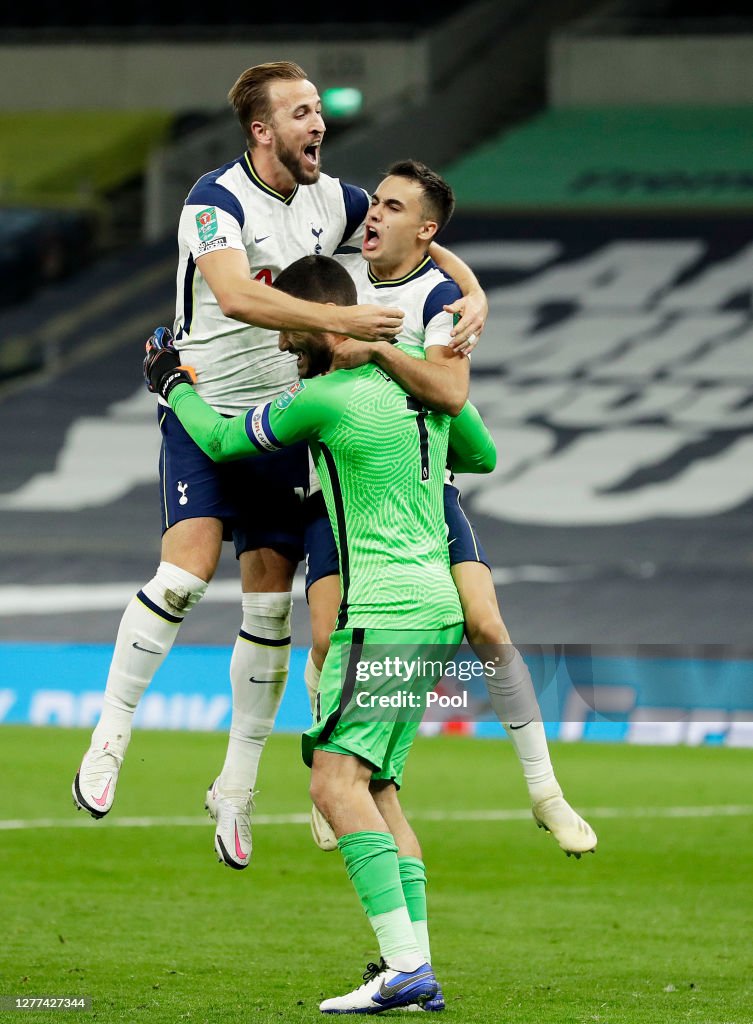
(314, 279)
(318, 279)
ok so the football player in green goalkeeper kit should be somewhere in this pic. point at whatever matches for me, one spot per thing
(393, 268)
(381, 462)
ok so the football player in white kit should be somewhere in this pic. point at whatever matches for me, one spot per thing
(241, 224)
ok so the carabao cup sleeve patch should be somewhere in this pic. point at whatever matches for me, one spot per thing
(287, 396)
(206, 223)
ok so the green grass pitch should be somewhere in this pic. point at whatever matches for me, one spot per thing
(656, 927)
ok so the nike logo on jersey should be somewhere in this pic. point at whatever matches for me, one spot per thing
(390, 991)
(262, 239)
(521, 726)
(253, 679)
(144, 649)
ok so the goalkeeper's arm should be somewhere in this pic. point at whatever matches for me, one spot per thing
(299, 413)
(295, 415)
(471, 446)
(220, 438)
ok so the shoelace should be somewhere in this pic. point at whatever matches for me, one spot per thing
(372, 970)
(100, 763)
(243, 801)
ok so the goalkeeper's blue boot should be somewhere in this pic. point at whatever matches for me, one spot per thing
(385, 989)
(433, 1005)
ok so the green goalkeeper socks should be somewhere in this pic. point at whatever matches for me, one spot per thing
(373, 867)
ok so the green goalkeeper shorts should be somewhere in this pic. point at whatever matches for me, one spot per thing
(373, 693)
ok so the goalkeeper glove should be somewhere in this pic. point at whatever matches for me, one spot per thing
(162, 366)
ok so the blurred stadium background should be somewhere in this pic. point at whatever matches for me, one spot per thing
(602, 163)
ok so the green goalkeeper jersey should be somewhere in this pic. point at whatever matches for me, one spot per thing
(381, 459)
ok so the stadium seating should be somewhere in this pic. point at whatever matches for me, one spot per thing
(61, 174)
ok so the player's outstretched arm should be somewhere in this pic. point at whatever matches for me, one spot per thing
(220, 438)
(263, 428)
(252, 302)
(217, 437)
(471, 446)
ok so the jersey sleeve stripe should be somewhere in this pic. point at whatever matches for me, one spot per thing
(259, 431)
(209, 193)
(440, 296)
(185, 327)
(356, 205)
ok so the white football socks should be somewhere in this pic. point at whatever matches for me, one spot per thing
(514, 702)
(258, 673)
(146, 634)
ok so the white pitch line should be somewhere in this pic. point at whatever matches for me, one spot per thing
(713, 811)
(67, 598)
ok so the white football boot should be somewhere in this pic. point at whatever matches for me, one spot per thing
(572, 832)
(94, 785)
(322, 831)
(385, 989)
(231, 813)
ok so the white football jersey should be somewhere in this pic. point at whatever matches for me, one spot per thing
(421, 295)
(232, 208)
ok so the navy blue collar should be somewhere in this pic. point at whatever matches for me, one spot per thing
(426, 264)
(253, 176)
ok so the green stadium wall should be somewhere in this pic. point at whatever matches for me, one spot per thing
(620, 158)
(53, 157)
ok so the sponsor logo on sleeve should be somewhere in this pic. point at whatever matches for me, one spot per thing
(217, 243)
(206, 222)
(287, 396)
